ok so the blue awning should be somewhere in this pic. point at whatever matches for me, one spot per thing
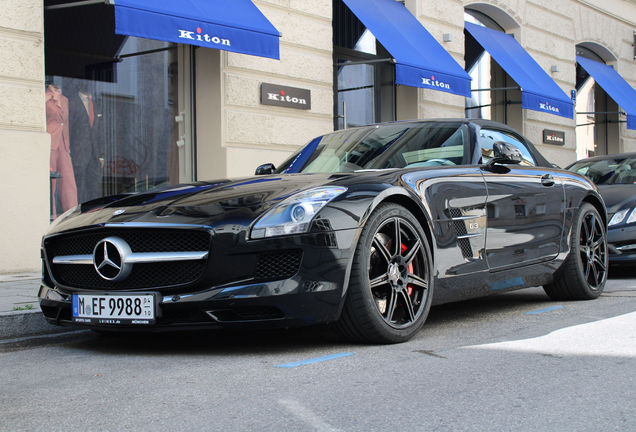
(539, 91)
(420, 60)
(614, 85)
(236, 25)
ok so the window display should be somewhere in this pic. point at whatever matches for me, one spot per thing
(112, 104)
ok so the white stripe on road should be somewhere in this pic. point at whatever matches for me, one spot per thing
(612, 337)
(307, 416)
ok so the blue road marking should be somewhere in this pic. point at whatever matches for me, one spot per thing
(508, 283)
(543, 310)
(313, 360)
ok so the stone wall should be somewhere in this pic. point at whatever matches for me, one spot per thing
(249, 133)
(24, 143)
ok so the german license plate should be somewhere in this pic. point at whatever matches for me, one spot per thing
(114, 308)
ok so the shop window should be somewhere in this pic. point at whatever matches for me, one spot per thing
(114, 107)
(597, 117)
(495, 96)
(364, 74)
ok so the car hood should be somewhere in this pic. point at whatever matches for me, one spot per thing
(202, 203)
(618, 197)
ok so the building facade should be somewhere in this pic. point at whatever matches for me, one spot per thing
(110, 113)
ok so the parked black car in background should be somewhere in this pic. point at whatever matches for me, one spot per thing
(615, 177)
(363, 228)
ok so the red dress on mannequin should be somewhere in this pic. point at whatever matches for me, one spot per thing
(57, 126)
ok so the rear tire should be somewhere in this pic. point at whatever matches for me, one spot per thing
(584, 272)
(391, 285)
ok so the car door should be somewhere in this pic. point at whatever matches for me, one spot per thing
(525, 206)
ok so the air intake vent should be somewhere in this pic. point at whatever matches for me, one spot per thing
(277, 265)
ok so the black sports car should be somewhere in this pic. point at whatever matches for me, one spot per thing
(363, 228)
(615, 177)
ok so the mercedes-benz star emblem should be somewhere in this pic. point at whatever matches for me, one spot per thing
(109, 259)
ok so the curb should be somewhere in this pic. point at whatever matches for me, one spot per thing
(31, 323)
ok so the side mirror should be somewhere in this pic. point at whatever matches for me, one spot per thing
(505, 153)
(265, 169)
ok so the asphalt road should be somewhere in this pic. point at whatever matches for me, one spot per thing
(515, 361)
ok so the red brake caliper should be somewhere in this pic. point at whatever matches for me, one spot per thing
(409, 287)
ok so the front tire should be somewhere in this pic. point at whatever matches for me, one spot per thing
(391, 285)
(584, 272)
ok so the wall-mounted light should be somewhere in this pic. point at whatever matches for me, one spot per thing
(448, 37)
(554, 68)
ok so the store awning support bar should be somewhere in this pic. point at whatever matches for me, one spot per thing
(601, 122)
(80, 3)
(387, 60)
(602, 112)
(497, 89)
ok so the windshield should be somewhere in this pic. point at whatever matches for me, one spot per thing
(400, 145)
(607, 171)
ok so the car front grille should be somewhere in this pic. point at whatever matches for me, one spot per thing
(138, 240)
(143, 275)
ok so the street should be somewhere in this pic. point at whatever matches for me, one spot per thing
(514, 361)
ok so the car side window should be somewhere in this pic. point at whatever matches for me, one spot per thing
(489, 136)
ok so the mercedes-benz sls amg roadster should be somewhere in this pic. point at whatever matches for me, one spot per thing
(362, 229)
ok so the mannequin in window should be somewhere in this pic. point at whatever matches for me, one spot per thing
(85, 133)
(57, 126)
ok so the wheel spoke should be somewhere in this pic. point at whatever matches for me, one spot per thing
(417, 281)
(592, 230)
(600, 265)
(587, 266)
(585, 234)
(382, 250)
(597, 244)
(408, 305)
(397, 236)
(408, 258)
(595, 275)
(383, 279)
(391, 306)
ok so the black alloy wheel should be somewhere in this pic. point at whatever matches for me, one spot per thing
(390, 290)
(593, 251)
(584, 272)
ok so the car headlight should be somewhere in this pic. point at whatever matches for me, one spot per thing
(619, 216)
(294, 215)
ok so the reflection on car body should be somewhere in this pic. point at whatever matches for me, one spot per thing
(363, 229)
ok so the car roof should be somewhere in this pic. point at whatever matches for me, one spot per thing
(610, 156)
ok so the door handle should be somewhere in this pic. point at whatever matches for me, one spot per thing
(547, 180)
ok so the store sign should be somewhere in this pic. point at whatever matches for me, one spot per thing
(553, 137)
(213, 40)
(289, 97)
(435, 83)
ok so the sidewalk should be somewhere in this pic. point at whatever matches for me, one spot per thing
(20, 313)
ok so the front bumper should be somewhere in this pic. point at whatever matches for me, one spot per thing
(622, 245)
(231, 292)
(259, 305)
